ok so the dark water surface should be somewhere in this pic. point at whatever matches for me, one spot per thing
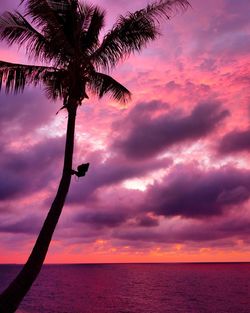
(137, 288)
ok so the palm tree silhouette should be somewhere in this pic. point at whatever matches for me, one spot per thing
(63, 35)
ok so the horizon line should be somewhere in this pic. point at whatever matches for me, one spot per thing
(114, 263)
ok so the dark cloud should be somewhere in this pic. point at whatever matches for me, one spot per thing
(27, 225)
(148, 136)
(140, 235)
(27, 171)
(192, 193)
(235, 141)
(100, 219)
(112, 171)
(23, 113)
(197, 233)
(147, 221)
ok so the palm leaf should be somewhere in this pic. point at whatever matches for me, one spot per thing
(52, 17)
(47, 11)
(17, 76)
(56, 84)
(102, 84)
(93, 22)
(15, 29)
(133, 31)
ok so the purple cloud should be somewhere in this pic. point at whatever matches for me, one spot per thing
(147, 221)
(112, 171)
(26, 171)
(198, 233)
(27, 225)
(102, 219)
(192, 193)
(21, 115)
(235, 141)
(149, 136)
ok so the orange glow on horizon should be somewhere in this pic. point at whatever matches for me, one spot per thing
(154, 256)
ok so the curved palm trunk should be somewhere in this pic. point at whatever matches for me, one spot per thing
(14, 294)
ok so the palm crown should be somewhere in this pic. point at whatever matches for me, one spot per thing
(63, 35)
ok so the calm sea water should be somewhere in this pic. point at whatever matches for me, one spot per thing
(137, 288)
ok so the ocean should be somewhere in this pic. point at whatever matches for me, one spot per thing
(137, 288)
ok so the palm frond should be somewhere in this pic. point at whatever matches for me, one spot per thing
(102, 84)
(51, 17)
(17, 76)
(93, 22)
(85, 12)
(165, 9)
(133, 31)
(15, 29)
(56, 84)
(47, 11)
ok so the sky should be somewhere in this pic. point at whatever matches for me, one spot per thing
(169, 177)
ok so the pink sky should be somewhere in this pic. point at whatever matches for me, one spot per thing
(169, 176)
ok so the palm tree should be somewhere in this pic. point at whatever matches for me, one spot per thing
(63, 36)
